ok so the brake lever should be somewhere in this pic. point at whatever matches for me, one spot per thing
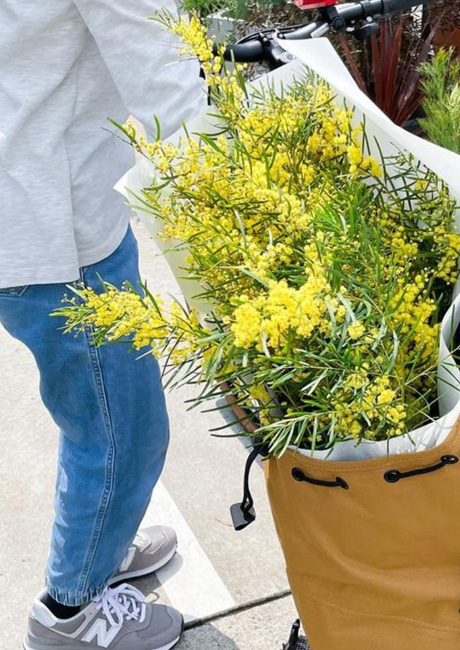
(268, 32)
(366, 31)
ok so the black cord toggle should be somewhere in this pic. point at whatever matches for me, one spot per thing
(394, 475)
(243, 514)
(299, 475)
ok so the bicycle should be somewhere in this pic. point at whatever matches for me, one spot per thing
(357, 18)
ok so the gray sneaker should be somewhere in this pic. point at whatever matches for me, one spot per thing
(151, 549)
(119, 619)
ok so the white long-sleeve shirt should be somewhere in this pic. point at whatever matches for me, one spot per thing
(65, 67)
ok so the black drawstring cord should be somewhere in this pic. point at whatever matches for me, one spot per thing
(299, 475)
(243, 513)
(394, 475)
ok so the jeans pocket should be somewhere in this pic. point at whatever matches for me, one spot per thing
(14, 291)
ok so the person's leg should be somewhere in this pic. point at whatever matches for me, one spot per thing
(110, 408)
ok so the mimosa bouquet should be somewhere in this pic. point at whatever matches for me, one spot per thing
(321, 267)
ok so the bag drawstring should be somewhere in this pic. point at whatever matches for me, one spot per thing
(391, 476)
(299, 475)
(394, 475)
(243, 514)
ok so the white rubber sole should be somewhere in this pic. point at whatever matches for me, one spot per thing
(53, 647)
(170, 645)
(129, 575)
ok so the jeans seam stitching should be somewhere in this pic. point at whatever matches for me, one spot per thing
(110, 469)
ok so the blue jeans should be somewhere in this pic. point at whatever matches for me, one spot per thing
(110, 408)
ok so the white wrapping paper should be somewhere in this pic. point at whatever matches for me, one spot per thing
(321, 58)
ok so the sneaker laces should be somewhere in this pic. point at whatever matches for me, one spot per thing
(120, 603)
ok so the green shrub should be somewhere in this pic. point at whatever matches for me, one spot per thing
(441, 86)
(233, 8)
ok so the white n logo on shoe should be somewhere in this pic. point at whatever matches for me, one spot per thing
(104, 636)
(128, 559)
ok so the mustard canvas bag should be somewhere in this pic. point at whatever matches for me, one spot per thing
(373, 547)
(371, 532)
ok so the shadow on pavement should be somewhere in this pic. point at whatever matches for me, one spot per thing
(206, 637)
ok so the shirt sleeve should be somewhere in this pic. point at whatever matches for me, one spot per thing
(144, 61)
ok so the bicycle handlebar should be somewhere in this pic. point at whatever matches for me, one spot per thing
(254, 49)
(250, 52)
(357, 11)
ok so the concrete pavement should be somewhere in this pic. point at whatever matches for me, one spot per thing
(234, 582)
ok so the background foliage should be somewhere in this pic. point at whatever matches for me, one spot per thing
(441, 105)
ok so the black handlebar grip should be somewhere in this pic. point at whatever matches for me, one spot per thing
(250, 52)
(393, 6)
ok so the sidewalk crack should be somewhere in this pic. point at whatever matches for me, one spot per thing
(251, 604)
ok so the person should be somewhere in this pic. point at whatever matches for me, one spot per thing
(65, 67)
